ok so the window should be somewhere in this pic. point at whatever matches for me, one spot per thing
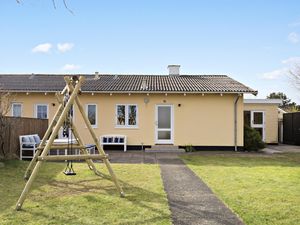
(126, 115)
(17, 109)
(92, 114)
(257, 117)
(41, 111)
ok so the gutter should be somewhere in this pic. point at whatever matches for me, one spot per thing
(135, 92)
(235, 121)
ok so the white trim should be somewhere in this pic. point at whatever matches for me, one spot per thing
(87, 114)
(126, 117)
(12, 108)
(263, 125)
(171, 141)
(40, 104)
(143, 92)
(263, 101)
(281, 110)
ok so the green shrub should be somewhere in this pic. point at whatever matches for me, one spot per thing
(189, 148)
(252, 139)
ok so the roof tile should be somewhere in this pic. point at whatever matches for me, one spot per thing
(126, 83)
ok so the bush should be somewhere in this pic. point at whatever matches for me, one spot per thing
(189, 148)
(252, 139)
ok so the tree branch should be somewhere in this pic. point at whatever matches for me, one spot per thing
(66, 6)
(54, 5)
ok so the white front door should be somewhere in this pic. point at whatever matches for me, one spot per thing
(258, 122)
(164, 124)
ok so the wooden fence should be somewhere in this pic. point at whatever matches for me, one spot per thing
(16, 126)
(291, 128)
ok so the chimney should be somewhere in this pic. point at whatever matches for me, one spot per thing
(97, 75)
(174, 70)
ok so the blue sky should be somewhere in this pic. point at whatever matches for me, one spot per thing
(255, 42)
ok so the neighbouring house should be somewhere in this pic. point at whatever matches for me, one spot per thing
(263, 115)
(206, 111)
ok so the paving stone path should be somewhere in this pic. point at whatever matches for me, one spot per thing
(191, 201)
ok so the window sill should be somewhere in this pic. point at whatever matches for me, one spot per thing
(126, 127)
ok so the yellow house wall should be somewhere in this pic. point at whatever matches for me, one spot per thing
(200, 120)
(271, 119)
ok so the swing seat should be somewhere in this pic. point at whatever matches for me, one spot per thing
(69, 173)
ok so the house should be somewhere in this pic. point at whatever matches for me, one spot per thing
(263, 115)
(206, 111)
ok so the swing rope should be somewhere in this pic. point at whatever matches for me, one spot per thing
(68, 131)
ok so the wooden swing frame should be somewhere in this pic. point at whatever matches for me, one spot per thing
(73, 88)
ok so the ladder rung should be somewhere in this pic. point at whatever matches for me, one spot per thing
(74, 146)
(71, 157)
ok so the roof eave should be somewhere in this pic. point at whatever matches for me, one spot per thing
(139, 92)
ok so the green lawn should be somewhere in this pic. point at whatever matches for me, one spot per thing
(260, 189)
(84, 198)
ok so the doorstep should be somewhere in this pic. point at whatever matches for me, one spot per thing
(165, 148)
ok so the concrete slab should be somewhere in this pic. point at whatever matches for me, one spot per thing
(282, 148)
(191, 201)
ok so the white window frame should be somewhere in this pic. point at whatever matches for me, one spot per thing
(262, 126)
(12, 108)
(126, 116)
(41, 104)
(164, 141)
(87, 114)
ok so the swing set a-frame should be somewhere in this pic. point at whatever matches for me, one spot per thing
(72, 89)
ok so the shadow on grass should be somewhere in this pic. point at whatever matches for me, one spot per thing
(90, 188)
(136, 195)
(242, 159)
(12, 182)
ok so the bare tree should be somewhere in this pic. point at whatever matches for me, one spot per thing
(54, 4)
(5, 105)
(295, 76)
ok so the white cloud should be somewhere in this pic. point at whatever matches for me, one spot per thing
(275, 74)
(69, 67)
(64, 47)
(293, 37)
(42, 48)
(288, 65)
(291, 61)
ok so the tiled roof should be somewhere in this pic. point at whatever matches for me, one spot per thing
(127, 83)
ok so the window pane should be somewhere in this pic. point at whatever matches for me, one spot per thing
(121, 115)
(258, 118)
(165, 135)
(260, 131)
(164, 117)
(41, 112)
(131, 115)
(92, 114)
(17, 110)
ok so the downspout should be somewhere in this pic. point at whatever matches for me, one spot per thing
(235, 122)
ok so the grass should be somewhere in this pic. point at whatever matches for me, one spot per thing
(84, 198)
(260, 189)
